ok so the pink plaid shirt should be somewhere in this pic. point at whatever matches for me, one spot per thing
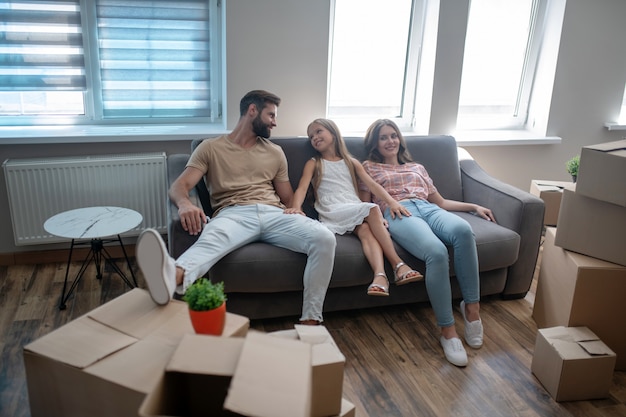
(402, 182)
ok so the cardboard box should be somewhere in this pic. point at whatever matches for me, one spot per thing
(262, 375)
(572, 363)
(328, 367)
(602, 172)
(550, 192)
(105, 362)
(578, 290)
(592, 227)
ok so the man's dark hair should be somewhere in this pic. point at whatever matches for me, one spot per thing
(259, 98)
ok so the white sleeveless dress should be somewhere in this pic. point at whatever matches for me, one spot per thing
(337, 203)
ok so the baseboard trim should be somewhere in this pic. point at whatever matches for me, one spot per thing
(60, 255)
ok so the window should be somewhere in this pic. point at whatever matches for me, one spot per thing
(502, 44)
(372, 67)
(498, 64)
(109, 61)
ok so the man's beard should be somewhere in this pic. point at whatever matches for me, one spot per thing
(260, 128)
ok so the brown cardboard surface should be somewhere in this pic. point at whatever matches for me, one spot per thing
(602, 172)
(592, 227)
(566, 369)
(89, 367)
(551, 193)
(328, 368)
(196, 379)
(272, 378)
(579, 290)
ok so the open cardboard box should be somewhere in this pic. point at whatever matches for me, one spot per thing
(572, 363)
(551, 193)
(259, 376)
(328, 367)
(105, 362)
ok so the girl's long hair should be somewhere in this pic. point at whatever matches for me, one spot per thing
(340, 149)
(371, 142)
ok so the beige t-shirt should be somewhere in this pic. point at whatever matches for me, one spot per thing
(239, 176)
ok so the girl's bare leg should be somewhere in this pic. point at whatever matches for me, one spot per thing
(373, 254)
(382, 236)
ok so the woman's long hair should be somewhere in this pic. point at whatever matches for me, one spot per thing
(371, 142)
(340, 149)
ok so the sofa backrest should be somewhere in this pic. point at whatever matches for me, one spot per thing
(437, 153)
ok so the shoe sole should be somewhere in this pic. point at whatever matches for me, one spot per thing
(151, 254)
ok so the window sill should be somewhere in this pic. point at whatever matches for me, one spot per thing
(503, 137)
(615, 126)
(114, 133)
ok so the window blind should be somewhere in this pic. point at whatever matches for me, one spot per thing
(41, 46)
(154, 58)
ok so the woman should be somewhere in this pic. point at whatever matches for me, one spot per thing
(427, 231)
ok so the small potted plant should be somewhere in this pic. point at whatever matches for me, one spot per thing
(572, 167)
(207, 306)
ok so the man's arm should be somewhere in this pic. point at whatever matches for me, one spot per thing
(192, 217)
(284, 191)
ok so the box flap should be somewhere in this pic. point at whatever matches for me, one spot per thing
(135, 314)
(80, 343)
(575, 342)
(207, 355)
(272, 378)
(596, 348)
(314, 334)
(137, 368)
(618, 147)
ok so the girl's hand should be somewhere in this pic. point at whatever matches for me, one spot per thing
(399, 210)
(293, 210)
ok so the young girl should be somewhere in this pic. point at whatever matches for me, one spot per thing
(333, 173)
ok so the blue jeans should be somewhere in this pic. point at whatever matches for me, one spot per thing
(236, 226)
(425, 235)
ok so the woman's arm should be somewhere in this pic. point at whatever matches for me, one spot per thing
(303, 186)
(453, 205)
(379, 191)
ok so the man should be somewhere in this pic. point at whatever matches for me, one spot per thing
(249, 183)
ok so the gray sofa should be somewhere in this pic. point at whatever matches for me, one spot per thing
(264, 281)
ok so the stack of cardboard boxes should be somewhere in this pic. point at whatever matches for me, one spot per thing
(582, 278)
(130, 357)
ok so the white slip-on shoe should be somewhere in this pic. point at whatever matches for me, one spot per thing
(454, 351)
(156, 265)
(473, 330)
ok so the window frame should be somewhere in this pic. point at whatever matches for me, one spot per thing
(92, 95)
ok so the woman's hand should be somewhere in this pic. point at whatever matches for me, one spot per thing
(485, 213)
(397, 209)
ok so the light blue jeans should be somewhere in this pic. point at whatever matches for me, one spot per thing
(425, 235)
(236, 226)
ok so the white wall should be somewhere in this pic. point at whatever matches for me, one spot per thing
(282, 46)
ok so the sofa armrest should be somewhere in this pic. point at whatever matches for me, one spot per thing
(514, 209)
(178, 239)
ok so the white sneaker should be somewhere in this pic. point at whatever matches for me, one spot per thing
(454, 350)
(156, 265)
(473, 330)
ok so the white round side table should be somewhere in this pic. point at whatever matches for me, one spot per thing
(100, 225)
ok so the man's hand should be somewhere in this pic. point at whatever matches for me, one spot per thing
(192, 219)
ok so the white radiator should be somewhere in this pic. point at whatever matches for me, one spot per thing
(39, 188)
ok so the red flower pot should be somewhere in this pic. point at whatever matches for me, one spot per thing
(209, 321)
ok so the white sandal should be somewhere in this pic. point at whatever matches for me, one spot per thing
(405, 278)
(377, 289)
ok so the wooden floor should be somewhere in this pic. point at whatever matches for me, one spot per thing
(394, 364)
